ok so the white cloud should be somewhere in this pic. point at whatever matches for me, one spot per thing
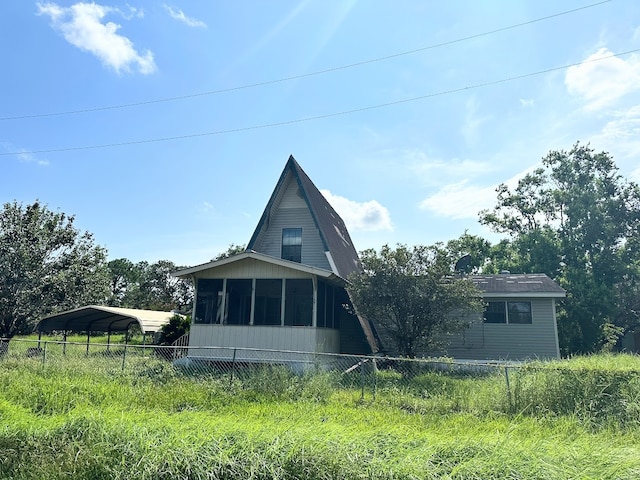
(430, 170)
(181, 17)
(23, 154)
(81, 25)
(602, 82)
(460, 200)
(527, 103)
(366, 216)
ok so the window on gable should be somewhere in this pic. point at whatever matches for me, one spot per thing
(508, 312)
(292, 244)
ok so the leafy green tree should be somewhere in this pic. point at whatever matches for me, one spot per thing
(149, 286)
(576, 219)
(475, 248)
(125, 278)
(412, 296)
(178, 325)
(232, 250)
(46, 266)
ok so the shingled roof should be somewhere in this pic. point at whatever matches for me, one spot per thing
(507, 284)
(333, 232)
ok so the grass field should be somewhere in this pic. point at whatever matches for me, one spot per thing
(568, 420)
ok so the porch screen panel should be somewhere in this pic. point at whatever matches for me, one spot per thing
(238, 301)
(268, 303)
(298, 308)
(321, 310)
(209, 301)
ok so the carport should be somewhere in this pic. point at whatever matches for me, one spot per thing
(93, 318)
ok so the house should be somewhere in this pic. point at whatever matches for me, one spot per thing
(286, 292)
(519, 321)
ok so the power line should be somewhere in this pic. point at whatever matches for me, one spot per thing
(303, 75)
(319, 117)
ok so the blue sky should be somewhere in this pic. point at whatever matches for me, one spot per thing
(441, 102)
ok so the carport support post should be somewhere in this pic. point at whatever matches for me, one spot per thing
(109, 340)
(64, 342)
(124, 356)
(39, 338)
(88, 337)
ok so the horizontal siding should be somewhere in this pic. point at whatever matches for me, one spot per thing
(290, 210)
(300, 339)
(312, 248)
(252, 268)
(491, 341)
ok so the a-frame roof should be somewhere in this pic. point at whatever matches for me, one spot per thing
(333, 231)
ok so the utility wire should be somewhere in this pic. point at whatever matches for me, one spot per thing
(304, 75)
(323, 116)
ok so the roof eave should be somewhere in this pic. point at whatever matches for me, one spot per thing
(320, 272)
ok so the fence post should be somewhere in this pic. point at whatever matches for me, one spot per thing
(124, 356)
(44, 354)
(506, 377)
(362, 379)
(374, 372)
(233, 367)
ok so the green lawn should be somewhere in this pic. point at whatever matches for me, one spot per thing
(154, 423)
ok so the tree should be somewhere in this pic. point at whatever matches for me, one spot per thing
(412, 296)
(125, 278)
(149, 286)
(577, 220)
(46, 266)
(177, 326)
(231, 251)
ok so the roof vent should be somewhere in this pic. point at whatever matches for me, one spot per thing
(505, 272)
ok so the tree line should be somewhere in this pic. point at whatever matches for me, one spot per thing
(575, 218)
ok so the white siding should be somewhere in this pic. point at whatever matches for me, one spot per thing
(494, 341)
(299, 339)
(252, 268)
(292, 212)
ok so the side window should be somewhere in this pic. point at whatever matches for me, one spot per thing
(508, 312)
(519, 312)
(292, 244)
(495, 313)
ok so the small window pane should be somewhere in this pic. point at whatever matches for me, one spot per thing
(495, 313)
(292, 244)
(519, 312)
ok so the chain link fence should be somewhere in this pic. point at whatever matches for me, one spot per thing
(360, 370)
(408, 383)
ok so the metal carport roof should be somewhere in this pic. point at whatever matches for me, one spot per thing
(103, 319)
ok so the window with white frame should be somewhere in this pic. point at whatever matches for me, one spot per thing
(292, 244)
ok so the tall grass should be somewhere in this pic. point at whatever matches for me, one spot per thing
(155, 422)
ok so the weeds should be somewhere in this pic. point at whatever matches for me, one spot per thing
(155, 421)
